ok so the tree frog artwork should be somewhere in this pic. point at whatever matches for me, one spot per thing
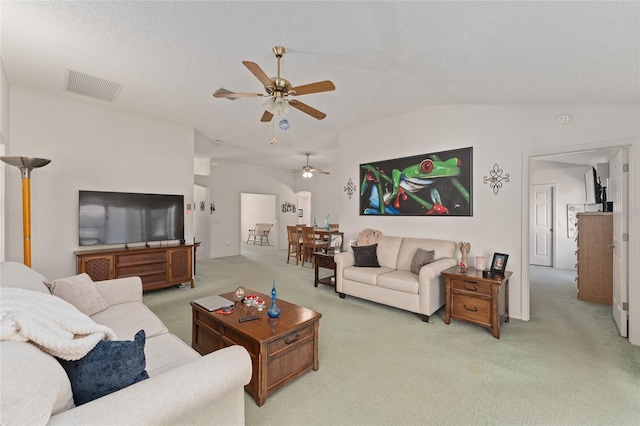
(436, 184)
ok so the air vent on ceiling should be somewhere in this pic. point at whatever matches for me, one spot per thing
(93, 87)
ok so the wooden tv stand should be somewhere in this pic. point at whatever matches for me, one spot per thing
(158, 267)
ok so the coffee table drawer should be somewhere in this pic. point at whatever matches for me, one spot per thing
(290, 340)
(471, 308)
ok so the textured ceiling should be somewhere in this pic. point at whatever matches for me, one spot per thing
(385, 58)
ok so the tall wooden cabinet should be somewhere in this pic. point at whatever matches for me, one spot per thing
(595, 257)
(157, 267)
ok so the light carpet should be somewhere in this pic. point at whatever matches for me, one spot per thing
(384, 366)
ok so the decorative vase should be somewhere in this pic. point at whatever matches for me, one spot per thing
(273, 311)
(326, 222)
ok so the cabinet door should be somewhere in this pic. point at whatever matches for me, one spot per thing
(98, 266)
(180, 265)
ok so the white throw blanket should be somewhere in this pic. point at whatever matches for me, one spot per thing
(54, 325)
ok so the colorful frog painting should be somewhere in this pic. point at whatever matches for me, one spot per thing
(401, 190)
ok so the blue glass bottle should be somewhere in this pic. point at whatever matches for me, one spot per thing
(273, 311)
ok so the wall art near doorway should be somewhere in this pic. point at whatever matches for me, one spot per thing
(433, 184)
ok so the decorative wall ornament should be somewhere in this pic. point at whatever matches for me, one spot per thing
(201, 206)
(288, 207)
(350, 188)
(496, 178)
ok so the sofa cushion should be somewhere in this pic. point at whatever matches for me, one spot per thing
(366, 256)
(15, 274)
(80, 291)
(125, 319)
(34, 385)
(166, 352)
(364, 275)
(421, 258)
(388, 249)
(110, 366)
(404, 281)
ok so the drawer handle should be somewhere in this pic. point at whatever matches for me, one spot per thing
(474, 309)
(474, 288)
(295, 339)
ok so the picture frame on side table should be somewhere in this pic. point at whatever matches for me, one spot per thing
(499, 263)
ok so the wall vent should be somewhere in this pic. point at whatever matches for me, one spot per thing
(93, 87)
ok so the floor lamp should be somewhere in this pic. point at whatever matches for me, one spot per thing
(26, 164)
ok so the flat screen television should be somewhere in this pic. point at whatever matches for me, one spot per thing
(593, 190)
(124, 217)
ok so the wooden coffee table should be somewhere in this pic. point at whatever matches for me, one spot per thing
(281, 349)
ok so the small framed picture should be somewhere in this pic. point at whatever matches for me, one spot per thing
(499, 263)
(300, 213)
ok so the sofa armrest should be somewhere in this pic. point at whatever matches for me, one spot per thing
(201, 391)
(343, 260)
(434, 269)
(121, 290)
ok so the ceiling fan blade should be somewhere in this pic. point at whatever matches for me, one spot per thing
(266, 117)
(320, 86)
(319, 115)
(224, 93)
(319, 171)
(260, 75)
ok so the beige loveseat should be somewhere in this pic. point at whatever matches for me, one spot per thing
(183, 387)
(393, 283)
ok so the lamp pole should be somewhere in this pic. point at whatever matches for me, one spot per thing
(26, 164)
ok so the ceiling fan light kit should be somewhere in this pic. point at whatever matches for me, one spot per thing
(278, 90)
(308, 171)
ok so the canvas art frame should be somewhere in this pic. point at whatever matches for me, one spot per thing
(433, 184)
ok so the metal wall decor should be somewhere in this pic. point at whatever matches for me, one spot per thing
(496, 178)
(350, 188)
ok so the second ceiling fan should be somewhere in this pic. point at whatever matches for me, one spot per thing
(278, 90)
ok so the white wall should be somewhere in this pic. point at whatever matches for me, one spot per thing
(92, 147)
(325, 195)
(569, 184)
(4, 142)
(505, 135)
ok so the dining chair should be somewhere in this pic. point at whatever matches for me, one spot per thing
(310, 244)
(295, 243)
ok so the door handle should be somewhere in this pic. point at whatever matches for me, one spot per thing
(611, 245)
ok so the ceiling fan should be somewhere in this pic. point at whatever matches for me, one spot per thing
(308, 171)
(279, 90)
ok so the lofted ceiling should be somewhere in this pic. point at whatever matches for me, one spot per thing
(385, 58)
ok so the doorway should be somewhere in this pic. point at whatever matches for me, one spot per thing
(257, 208)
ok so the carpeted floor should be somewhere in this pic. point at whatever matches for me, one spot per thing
(384, 366)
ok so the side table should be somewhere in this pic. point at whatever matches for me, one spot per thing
(322, 260)
(480, 300)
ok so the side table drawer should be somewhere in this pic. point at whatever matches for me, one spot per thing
(471, 286)
(472, 308)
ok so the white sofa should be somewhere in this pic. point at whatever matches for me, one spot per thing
(393, 283)
(183, 387)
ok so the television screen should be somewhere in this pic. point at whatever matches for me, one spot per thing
(122, 217)
(592, 187)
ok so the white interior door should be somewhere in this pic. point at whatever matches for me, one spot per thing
(541, 217)
(618, 191)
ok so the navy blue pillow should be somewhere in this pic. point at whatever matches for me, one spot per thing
(366, 256)
(110, 366)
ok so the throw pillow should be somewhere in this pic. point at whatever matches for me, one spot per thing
(366, 256)
(421, 258)
(81, 292)
(110, 366)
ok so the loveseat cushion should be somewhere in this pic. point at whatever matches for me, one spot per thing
(166, 352)
(126, 319)
(34, 385)
(404, 281)
(421, 258)
(388, 249)
(110, 366)
(442, 249)
(364, 275)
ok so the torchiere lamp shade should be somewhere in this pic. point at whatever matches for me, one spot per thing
(26, 164)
